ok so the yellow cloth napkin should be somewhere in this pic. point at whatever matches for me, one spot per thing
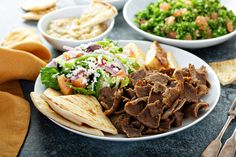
(21, 57)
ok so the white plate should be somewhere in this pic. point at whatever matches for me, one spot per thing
(183, 58)
(133, 6)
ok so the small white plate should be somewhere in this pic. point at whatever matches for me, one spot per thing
(133, 6)
(183, 59)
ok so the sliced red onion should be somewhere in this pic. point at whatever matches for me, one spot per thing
(53, 63)
(120, 64)
(74, 77)
(68, 48)
(93, 47)
(108, 69)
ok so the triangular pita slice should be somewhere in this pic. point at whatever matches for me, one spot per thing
(98, 13)
(225, 70)
(36, 5)
(45, 109)
(81, 109)
(36, 15)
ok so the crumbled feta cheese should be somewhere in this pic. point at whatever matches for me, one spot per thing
(68, 75)
(116, 69)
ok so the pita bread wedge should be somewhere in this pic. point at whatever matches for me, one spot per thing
(98, 13)
(44, 108)
(37, 5)
(36, 15)
(81, 109)
(19, 35)
(225, 70)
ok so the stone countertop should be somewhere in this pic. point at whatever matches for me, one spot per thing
(47, 139)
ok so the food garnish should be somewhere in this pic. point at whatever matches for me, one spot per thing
(186, 19)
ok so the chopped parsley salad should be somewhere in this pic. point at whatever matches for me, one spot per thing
(186, 19)
(89, 67)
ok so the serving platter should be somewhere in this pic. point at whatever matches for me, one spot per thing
(183, 59)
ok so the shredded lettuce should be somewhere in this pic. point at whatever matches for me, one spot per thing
(81, 90)
(49, 77)
(110, 45)
(124, 82)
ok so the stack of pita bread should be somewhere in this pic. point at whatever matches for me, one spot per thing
(79, 112)
(37, 8)
(225, 71)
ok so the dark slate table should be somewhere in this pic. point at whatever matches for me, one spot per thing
(47, 139)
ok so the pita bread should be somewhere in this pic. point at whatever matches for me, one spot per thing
(36, 15)
(98, 13)
(225, 70)
(44, 108)
(19, 35)
(37, 5)
(81, 109)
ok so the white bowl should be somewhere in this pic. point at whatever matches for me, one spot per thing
(75, 11)
(133, 6)
(117, 3)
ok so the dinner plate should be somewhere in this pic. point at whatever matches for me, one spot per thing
(183, 59)
(133, 6)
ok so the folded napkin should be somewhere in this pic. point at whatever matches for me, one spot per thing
(21, 57)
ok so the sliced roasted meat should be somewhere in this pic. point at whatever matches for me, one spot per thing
(153, 77)
(194, 108)
(169, 71)
(156, 100)
(158, 87)
(168, 112)
(134, 107)
(190, 93)
(154, 96)
(142, 91)
(116, 102)
(106, 97)
(151, 115)
(170, 96)
(178, 116)
(133, 130)
(199, 76)
(120, 120)
(148, 131)
(129, 93)
(138, 75)
(179, 75)
(164, 126)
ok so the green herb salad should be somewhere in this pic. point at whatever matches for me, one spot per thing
(186, 19)
(89, 67)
